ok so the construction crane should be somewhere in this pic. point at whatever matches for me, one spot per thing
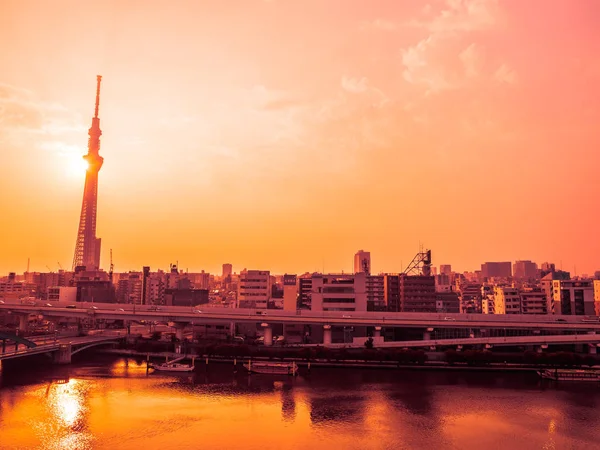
(420, 265)
(59, 266)
(110, 274)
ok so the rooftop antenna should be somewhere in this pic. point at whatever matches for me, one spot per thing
(110, 274)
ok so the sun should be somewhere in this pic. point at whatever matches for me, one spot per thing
(76, 166)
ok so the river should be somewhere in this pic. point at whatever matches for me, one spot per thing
(111, 403)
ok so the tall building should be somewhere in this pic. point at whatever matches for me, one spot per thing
(339, 292)
(87, 247)
(533, 301)
(525, 270)
(130, 287)
(155, 289)
(446, 269)
(254, 289)
(506, 300)
(391, 288)
(227, 270)
(417, 293)
(376, 293)
(597, 296)
(573, 297)
(470, 297)
(362, 262)
(496, 270)
(290, 292)
(304, 291)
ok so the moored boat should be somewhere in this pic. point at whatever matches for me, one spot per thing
(173, 366)
(570, 375)
(168, 367)
(272, 368)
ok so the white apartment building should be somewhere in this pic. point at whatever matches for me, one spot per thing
(506, 300)
(339, 292)
(254, 289)
(67, 294)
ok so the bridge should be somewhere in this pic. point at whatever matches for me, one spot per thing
(60, 348)
(572, 326)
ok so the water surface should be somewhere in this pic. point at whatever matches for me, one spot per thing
(114, 404)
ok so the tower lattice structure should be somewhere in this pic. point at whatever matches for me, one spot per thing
(87, 247)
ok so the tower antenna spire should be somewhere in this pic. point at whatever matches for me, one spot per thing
(99, 79)
(87, 246)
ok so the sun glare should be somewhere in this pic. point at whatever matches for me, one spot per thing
(77, 166)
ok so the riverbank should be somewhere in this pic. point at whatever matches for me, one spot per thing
(392, 358)
(206, 360)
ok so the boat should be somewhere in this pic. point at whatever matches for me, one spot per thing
(570, 375)
(173, 366)
(168, 367)
(271, 368)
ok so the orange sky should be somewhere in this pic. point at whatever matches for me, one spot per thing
(286, 135)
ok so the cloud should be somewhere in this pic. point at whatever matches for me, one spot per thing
(361, 86)
(420, 67)
(463, 15)
(378, 25)
(441, 61)
(505, 74)
(26, 121)
(472, 60)
(355, 85)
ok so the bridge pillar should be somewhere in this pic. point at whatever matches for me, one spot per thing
(377, 332)
(427, 335)
(268, 334)
(179, 328)
(326, 335)
(23, 324)
(63, 354)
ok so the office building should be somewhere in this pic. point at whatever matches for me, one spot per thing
(362, 262)
(417, 293)
(525, 271)
(290, 292)
(254, 289)
(496, 270)
(573, 297)
(339, 292)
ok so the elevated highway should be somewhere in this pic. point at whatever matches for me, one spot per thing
(208, 315)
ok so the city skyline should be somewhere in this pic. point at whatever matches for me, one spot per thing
(240, 154)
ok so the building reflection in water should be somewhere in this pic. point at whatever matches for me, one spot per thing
(336, 408)
(288, 403)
